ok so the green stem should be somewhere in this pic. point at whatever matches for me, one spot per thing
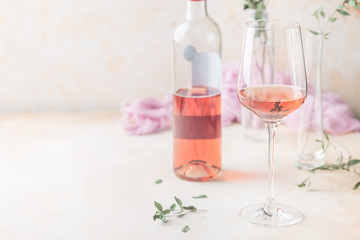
(327, 22)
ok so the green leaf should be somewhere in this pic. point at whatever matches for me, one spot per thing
(354, 4)
(313, 32)
(163, 219)
(158, 181)
(260, 6)
(250, 4)
(356, 186)
(321, 141)
(343, 12)
(179, 202)
(332, 19)
(353, 162)
(322, 13)
(326, 136)
(166, 211)
(172, 207)
(191, 208)
(303, 184)
(316, 14)
(155, 217)
(158, 206)
(200, 196)
(185, 229)
(327, 141)
(326, 35)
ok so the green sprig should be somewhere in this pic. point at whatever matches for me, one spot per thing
(331, 18)
(340, 163)
(162, 213)
(254, 4)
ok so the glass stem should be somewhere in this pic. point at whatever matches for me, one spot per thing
(318, 86)
(270, 206)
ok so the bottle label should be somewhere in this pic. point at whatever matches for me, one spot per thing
(205, 67)
(206, 70)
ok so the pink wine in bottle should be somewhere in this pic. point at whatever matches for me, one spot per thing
(272, 102)
(197, 133)
(197, 77)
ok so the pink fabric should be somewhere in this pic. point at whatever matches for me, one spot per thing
(148, 115)
(337, 115)
(230, 105)
(145, 116)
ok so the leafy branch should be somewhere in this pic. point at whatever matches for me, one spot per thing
(258, 6)
(323, 19)
(162, 213)
(254, 4)
(340, 164)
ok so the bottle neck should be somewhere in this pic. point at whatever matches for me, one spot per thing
(196, 8)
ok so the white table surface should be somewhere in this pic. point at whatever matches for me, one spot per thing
(79, 176)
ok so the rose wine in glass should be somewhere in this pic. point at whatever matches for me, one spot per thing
(197, 75)
(273, 102)
(272, 94)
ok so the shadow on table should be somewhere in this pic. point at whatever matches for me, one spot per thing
(234, 175)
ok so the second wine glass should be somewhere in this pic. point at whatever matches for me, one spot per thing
(272, 92)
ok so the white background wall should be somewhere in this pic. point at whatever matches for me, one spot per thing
(72, 55)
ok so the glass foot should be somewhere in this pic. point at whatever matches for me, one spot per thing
(308, 166)
(310, 161)
(284, 216)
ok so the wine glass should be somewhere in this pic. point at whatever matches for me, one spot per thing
(272, 84)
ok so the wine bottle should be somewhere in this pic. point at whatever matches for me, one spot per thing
(197, 95)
